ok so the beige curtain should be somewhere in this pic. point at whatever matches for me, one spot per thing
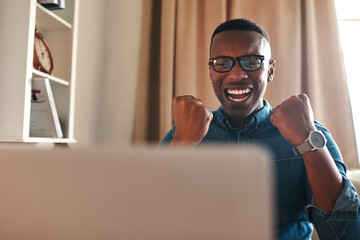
(304, 38)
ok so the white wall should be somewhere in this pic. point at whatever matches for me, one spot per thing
(108, 53)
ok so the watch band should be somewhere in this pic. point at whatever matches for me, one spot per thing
(302, 148)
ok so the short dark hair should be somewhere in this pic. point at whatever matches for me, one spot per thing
(240, 24)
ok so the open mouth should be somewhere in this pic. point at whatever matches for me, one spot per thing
(238, 95)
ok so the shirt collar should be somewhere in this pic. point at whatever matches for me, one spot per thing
(260, 119)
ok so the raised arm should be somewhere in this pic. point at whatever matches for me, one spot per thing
(295, 120)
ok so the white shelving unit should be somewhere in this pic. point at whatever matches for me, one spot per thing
(17, 24)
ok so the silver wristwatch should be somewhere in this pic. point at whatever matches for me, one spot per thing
(315, 140)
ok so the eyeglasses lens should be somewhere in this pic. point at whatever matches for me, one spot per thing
(223, 64)
(251, 63)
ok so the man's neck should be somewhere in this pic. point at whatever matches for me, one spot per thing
(240, 122)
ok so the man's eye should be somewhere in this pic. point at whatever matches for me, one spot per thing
(254, 63)
(223, 63)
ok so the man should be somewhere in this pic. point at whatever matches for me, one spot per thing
(310, 175)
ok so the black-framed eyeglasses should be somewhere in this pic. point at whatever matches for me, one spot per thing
(248, 63)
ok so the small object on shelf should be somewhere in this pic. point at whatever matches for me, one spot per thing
(53, 4)
(42, 60)
(44, 120)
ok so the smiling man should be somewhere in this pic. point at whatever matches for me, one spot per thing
(311, 180)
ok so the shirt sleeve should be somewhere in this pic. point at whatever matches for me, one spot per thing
(343, 222)
(168, 138)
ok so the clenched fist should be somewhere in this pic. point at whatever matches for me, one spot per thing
(191, 120)
(294, 118)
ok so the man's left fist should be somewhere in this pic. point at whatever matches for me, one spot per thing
(294, 118)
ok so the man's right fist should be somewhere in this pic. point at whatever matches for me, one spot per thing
(191, 120)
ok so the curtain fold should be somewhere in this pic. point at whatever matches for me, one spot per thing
(324, 79)
(304, 38)
(147, 105)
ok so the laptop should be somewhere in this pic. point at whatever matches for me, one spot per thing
(136, 194)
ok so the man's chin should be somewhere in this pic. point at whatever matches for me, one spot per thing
(243, 104)
(240, 109)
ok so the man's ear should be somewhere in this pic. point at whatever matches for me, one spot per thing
(209, 64)
(271, 71)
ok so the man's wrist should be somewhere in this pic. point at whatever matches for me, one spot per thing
(315, 140)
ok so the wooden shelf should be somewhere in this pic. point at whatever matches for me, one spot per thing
(47, 20)
(37, 73)
(49, 140)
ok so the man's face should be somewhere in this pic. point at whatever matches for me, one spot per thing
(241, 92)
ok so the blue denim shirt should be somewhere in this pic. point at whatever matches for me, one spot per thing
(295, 208)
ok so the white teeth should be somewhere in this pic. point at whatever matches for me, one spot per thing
(235, 91)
